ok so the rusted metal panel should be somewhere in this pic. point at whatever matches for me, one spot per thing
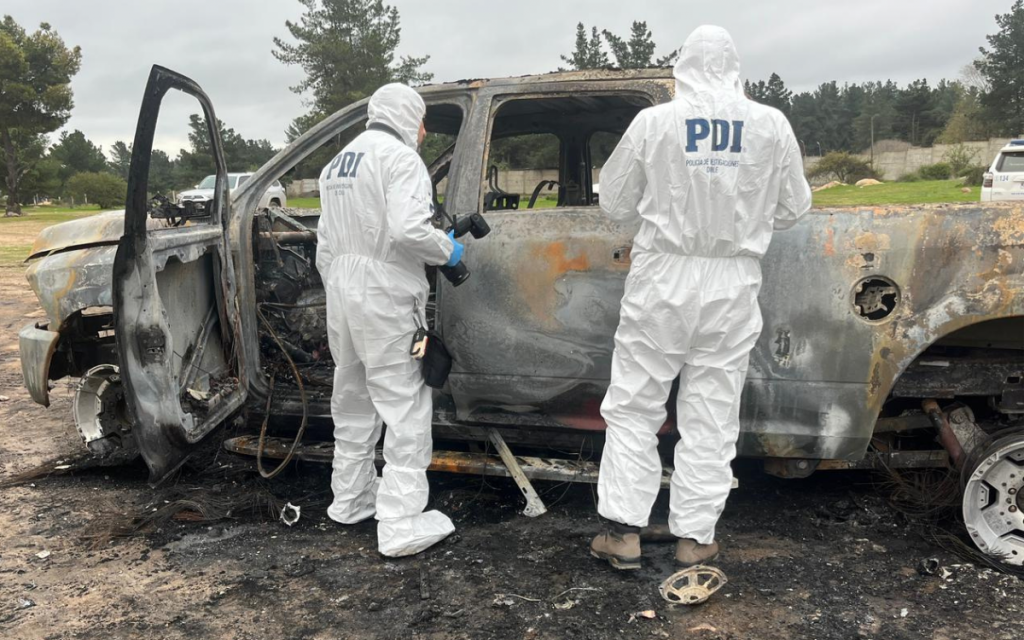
(71, 263)
(539, 312)
(893, 460)
(534, 468)
(532, 331)
(36, 347)
(104, 228)
(101, 229)
(982, 372)
(72, 281)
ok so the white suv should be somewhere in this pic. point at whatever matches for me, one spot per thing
(1004, 180)
(274, 197)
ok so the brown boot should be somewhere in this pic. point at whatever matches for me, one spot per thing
(689, 552)
(619, 545)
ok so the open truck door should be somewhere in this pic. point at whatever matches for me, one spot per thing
(175, 309)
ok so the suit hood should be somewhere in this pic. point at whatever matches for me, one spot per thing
(399, 107)
(708, 62)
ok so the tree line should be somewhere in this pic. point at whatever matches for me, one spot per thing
(987, 100)
(347, 48)
(36, 99)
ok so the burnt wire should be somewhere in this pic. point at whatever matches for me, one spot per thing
(930, 500)
(483, 478)
(270, 397)
(569, 483)
(198, 368)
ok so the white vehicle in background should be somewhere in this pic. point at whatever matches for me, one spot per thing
(1004, 180)
(274, 197)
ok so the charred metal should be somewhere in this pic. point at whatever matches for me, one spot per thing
(867, 311)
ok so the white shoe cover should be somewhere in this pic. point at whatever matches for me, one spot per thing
(408, 536)
(357, 510)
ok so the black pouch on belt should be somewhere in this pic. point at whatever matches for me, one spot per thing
(436, 361)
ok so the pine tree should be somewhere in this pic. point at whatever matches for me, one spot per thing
(240, 154)
(77, 154)
(756, 91)
(777, 95)
(917, 120)
(588, 54)
(347, 49)
(35, 96)
(876, 116)
(120, 158)
(635, 53)
(1002, 66)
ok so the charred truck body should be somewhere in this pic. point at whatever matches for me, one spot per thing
(178, 319)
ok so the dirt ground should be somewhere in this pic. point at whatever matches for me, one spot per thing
(824, 557)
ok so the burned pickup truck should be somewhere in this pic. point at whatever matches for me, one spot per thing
(883, 327)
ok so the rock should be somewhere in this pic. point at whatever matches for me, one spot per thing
(829, 185)
(867, 182)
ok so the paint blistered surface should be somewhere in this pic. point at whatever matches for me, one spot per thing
(532, 330)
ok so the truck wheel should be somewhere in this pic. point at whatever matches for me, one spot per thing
(993, 505)
(101, 416)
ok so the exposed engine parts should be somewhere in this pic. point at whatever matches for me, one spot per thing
(291, 295)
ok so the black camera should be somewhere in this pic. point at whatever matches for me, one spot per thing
(473, 224)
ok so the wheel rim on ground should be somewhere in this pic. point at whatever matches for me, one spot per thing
(101, 415)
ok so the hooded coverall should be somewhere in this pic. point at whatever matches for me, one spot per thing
(709, 175)
(373, 240)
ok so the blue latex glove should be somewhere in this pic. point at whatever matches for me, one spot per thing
(457, 250)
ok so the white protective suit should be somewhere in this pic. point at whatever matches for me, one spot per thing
(373, 240)
(709, 175)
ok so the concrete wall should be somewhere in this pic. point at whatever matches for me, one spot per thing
(302, 188)
(894, 164)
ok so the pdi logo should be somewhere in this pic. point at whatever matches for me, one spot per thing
(698, 129)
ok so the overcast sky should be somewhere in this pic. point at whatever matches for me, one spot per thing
(225, 45)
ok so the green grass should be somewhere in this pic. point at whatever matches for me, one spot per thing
(304, 203)
(13, 255)
(926, 192)
(90, 208)
(543, 202)
(18, 232)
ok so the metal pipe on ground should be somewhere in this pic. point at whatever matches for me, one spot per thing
(947, 438)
